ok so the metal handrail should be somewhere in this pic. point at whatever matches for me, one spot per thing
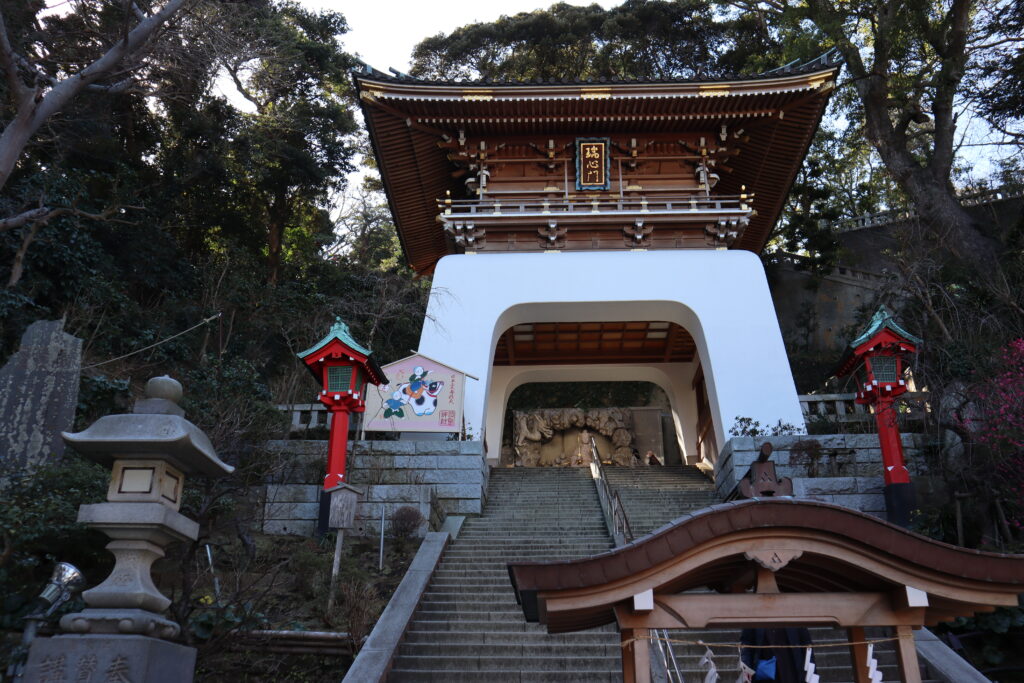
(611, 504)
(622, 533)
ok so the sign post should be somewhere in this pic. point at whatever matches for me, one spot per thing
(343, 500)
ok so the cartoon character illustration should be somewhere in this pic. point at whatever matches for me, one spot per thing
(417, 393)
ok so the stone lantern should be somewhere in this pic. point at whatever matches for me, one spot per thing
(343, 367)
(122, 630)
(877, 359)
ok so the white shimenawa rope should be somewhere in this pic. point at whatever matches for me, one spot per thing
(152, 346)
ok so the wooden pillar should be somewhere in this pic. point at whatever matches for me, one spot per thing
(858, 654)
(636, 655)
(906, 652)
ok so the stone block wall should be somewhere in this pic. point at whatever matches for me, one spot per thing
(845, 470)
(436, 477)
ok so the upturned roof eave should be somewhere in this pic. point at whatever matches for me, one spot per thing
(778, 79)
(385, 178)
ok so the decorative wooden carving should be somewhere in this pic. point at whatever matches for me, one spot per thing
(467, 235)
(552, 236)
(638, 235)
(773, 560)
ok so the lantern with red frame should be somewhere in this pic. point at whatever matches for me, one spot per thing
(877, 359)
(343, 367)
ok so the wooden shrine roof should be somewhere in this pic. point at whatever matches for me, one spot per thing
(407, 119)
(819, 548)
(594, 342)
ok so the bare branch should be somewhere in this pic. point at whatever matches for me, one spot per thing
(114, 88)
(33, 111)
(40, 214)
(8, 61)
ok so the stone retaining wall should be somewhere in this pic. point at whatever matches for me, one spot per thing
(436, 477)
(846, 469)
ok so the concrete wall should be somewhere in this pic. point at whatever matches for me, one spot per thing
(437, 477)
(848, 471)
(720, 297)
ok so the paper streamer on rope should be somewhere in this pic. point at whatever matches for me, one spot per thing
(874, 675)
(811, 677)
(746, 674)
(709, 660)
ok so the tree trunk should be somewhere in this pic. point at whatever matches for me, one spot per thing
(277, 217)
(18, 264)
(955, 229)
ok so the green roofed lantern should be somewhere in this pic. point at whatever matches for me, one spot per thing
(343, 367)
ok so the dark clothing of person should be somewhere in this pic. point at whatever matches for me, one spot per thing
(789, 661)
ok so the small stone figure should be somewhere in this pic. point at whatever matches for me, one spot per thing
(761, 481)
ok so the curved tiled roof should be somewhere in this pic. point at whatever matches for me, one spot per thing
(408, 117)
(825, 60)
(954, 575)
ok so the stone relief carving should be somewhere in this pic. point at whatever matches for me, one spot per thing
(560, 437)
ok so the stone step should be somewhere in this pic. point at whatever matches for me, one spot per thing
(487, 662)
(535, 649)
(483, 637)
(445, 676)
(517, 553)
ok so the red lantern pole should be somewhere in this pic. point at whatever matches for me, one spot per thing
(898, 491)
(337, 447)
(892, 445)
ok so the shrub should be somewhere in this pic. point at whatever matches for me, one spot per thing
(405, 523)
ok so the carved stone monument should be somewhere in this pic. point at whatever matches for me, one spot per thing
(122, 634)
(38, 395)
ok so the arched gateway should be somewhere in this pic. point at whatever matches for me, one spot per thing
(770, 562)
(601, 231)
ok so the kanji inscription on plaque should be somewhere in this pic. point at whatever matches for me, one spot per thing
(593, 163)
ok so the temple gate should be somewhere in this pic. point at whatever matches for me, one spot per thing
(594, 231)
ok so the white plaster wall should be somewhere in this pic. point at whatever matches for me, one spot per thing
(720, 297)
(674, 378)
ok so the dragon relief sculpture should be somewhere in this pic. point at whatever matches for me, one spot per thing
(560, 437)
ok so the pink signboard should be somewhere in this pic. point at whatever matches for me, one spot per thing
(423, 396)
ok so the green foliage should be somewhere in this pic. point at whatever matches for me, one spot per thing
(584, 395)
(637, 39)
(748, 426)
(99, 395)
(38, 527)
(215, 622)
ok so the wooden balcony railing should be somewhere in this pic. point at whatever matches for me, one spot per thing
(649, 207)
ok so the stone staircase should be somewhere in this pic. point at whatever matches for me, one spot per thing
(654, 496)
(468, 626)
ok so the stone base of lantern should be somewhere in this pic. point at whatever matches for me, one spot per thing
(899, 503)
(109, 658)
(119, 622)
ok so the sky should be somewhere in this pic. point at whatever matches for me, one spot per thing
(384, 32)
